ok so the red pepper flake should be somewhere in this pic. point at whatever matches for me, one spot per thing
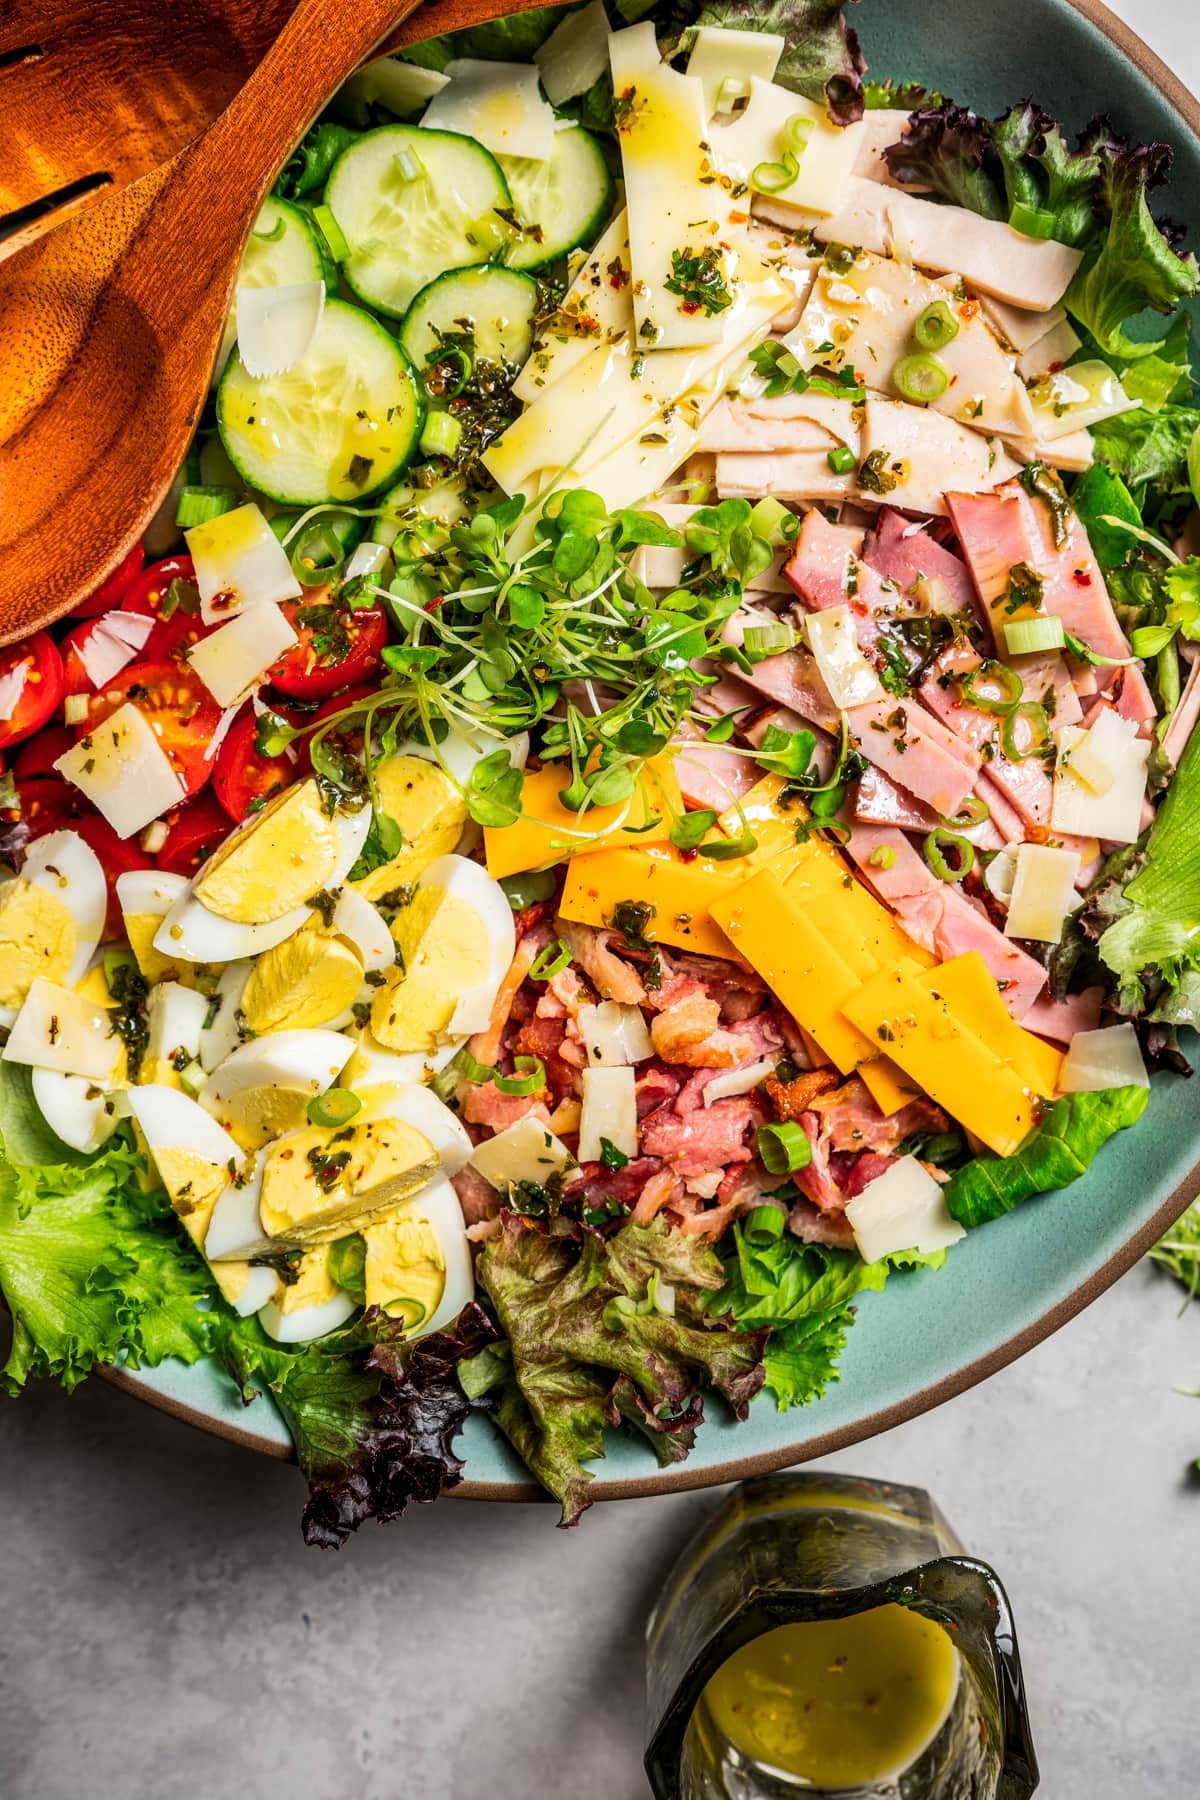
(968, 309)
(436, 604)
(688, 855)
(1081, 577)
(223, 601)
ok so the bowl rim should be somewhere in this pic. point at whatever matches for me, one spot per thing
(767, 1462)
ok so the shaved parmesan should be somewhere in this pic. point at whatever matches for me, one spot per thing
(575, 55)
(401, 86)
(497, 103)
(113, 641)
(367, 559)
(231, 660)
(844, 669)
(275, 325)
(123, 770)
(526, 1151)
(738, 1081)
(57, 1028)
(719, 56)
(12, 686)
(1043, 892)
(239, 560)
(1056, 347)
(1115, 815)
(1070, 400)
(1108, 1058)
(609, 1113)
(902, 1209)
(614, 1035)
(597, 308)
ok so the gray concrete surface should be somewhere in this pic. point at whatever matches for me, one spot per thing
(164, 1633)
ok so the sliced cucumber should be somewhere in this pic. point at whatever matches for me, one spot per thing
(495, 305)
(337, 426)
(568, 197)
(411, 204)
(283, 248)
(421, 513)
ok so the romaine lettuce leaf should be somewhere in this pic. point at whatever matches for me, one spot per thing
(373, 1420)
(1148, 447)
(583, 1354)
(93, 1267)
(1057, 1153)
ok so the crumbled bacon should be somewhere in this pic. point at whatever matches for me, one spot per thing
(792, 1099)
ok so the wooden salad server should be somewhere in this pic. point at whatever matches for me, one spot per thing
(95, 96)
(110, 324)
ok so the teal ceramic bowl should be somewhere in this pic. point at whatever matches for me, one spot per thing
(1010, 1284)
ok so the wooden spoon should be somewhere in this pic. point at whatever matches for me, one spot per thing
(95, 96)
(110, 324)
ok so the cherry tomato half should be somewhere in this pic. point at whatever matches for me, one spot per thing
(335, 704)
(111, 593)
(173, 636)
(47, 804)
(242, 778)
(31, 681)
(117, 856)
(38, 755)
(338, 647)
(193, 833)
(182, 714)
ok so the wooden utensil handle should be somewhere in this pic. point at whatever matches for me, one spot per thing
(321, 44)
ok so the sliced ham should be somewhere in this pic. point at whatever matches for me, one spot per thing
(964, 927)
(710, 775)
(816, 1181)
(655, 1087)
(1183, 721)
(1025, 782)
(926, 456)
(812, 1226)
(916, 751)
(486, 1105)
(706, 1139)
(1061, 1019)
(1033, 273)
(600, 1186)
(867, 1168)
(905, 555)
(878, 801)
(792, 678)
(1010, 526)
(1132, 698)
(820, 559)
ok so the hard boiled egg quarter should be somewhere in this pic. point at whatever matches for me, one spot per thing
(51, 916)
(456, 941)
(75, 1108)
(308, 1307)
(419, 1106)
(194, 1156)
(418, 1263)
(263, 1088)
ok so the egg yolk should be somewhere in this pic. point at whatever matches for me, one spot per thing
(444, 952)
(141, 929)
(194, 1184)
(308, 979)
(312, 1286)
(430, 812)
(286, 856)
(257, 1114)
(316, 1180)
(405, 1271)
(38, 936)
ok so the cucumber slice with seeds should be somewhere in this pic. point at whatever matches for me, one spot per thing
(568, 198)
(494, 304)
(337, 426)
(284, 248)
(411, 204)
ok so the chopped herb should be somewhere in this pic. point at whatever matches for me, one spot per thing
(698, 277)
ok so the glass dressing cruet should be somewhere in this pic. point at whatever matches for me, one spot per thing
(827, 1636)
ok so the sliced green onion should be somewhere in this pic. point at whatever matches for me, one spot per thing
(75, 708)
(336, 1106)
(527, 889)
(797, 132)
(332, 232)
(1032, 221)
(318, 555)
(529, 1079)
(1033, 714)
(410, 165)
(762, 641)
(552, 961)
(761, 1227)
(921, 378)
(783, 1148)
(768, 520)
(942, 845)
(475, 1071)
(991, 674)
(973, 811)
(192, 1077)
(620, 1308)
(411, 1305)
(661, 1295)
(442, 434)
(197, 505)
(731, 90)
(774, 178)
(841, 460)
(1022, 637)
(883, 858)
(935, 327)
(447, 372)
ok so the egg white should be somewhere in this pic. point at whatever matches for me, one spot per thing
(307, 1322)
(469, 882)
(301, 1062)
(366, 928)
(420, 1107)
(66, 867)
(219, 1039)
(147, 891)
(235, 1228)
(75, 1109)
